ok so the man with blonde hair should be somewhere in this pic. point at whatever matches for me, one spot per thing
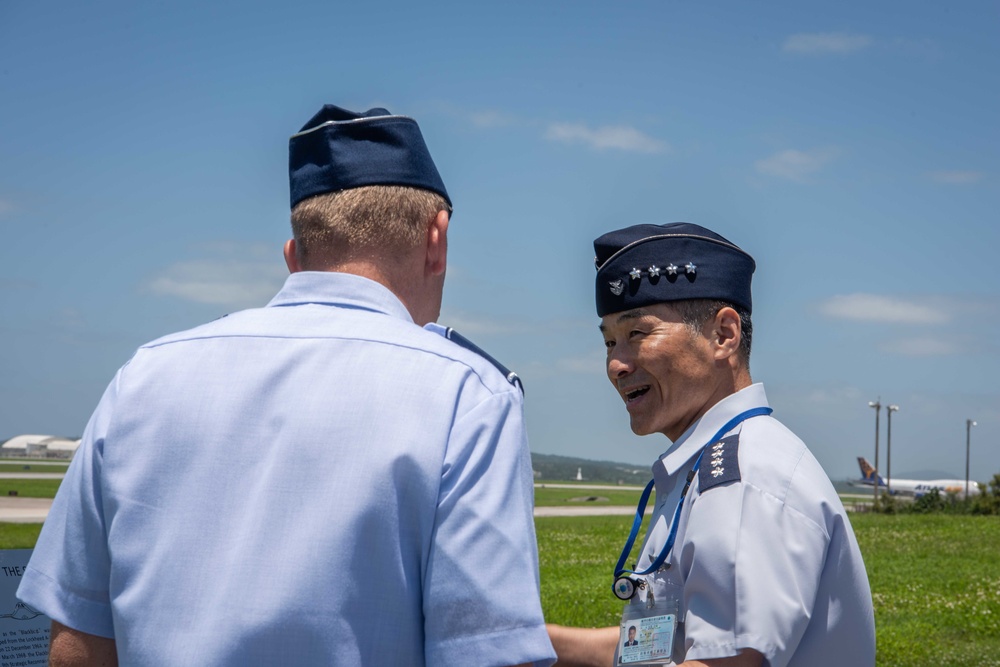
(325, 480)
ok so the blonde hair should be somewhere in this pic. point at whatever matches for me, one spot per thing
(362, 222)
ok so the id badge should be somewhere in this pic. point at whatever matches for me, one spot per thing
(647, 631)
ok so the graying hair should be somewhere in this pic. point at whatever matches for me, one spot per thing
(696, 312)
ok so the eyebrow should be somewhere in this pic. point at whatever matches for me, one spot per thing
(627, 315)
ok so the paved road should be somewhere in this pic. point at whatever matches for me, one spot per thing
(606, 487)
(32, 475)
(588, 510)
(34, 462)
(24, 510)
(34, 510)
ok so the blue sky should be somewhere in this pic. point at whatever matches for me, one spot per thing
(850, 147)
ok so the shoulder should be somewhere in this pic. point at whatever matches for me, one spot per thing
(779, 464)
(478, 355)
(766, 455)
(773, 457)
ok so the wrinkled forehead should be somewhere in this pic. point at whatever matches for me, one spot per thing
(664, 310)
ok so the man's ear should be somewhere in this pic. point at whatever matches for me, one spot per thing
(437, 245)
(726, 333)
(292, 256)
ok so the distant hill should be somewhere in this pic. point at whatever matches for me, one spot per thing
(564, 469)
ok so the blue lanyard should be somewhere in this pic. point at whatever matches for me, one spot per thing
(641, 509)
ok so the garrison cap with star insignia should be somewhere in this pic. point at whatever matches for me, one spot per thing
(339, 149)
(720, 463)
(646, 264)
(462, 341)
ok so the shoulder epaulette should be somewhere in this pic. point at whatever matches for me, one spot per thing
(462, 341)
(720, 463)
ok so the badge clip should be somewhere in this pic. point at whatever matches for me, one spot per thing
(625, 588)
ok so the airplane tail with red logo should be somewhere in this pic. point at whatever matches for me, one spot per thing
(868, 474)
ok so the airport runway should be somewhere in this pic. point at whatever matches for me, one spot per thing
(589, 510)
(32, 475)
(604, 487)
(34, 510)
(24, 510)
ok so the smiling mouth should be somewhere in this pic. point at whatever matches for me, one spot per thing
(633, 394)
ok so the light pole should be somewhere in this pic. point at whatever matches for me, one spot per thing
(968, 433)
(878, 408)
(889, 409)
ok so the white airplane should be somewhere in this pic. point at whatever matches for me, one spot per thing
(912, 487)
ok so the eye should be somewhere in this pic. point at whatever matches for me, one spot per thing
(608, 344)
(635, 332)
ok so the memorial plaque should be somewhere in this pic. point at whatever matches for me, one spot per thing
(24, 632)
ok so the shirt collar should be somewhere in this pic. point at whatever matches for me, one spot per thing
(339, 289)
(696, 437)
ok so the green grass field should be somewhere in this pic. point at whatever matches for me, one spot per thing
(29, 467)
(935, 580)
(549, 497)
(19, 535)
(30, 488)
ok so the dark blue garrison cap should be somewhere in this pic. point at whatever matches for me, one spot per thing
(646, 264)
(340, 149)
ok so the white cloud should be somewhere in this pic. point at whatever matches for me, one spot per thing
(590, 364)
(956, 177)
(471, 325)
(921, 347)
(230, 282)
(824, 43)
(617, 137)
(605, 137)
(885, 309)
(489, 118)
(814, 400)
(795, 165)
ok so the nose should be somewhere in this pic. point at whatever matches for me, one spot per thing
(619, 365)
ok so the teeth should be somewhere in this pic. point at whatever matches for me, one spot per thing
(635, 393)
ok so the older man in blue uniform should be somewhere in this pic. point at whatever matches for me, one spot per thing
(750, 558)
(322, 481)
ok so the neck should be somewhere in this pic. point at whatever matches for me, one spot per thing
(405, 281)
(728, 384)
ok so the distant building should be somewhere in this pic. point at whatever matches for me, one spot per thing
(39, 447)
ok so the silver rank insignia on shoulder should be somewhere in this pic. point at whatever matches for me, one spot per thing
(722, 465)
(617, 287)
(690, 268)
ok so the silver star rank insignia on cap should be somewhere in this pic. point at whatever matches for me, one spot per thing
(672, 269)
(690, 267)
(617, 287)
(635, 273)
(654, 271)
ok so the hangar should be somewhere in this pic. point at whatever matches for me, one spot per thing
(40, 446)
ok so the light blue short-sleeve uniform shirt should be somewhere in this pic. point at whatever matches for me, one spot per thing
(319, 481)
(769, 561)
